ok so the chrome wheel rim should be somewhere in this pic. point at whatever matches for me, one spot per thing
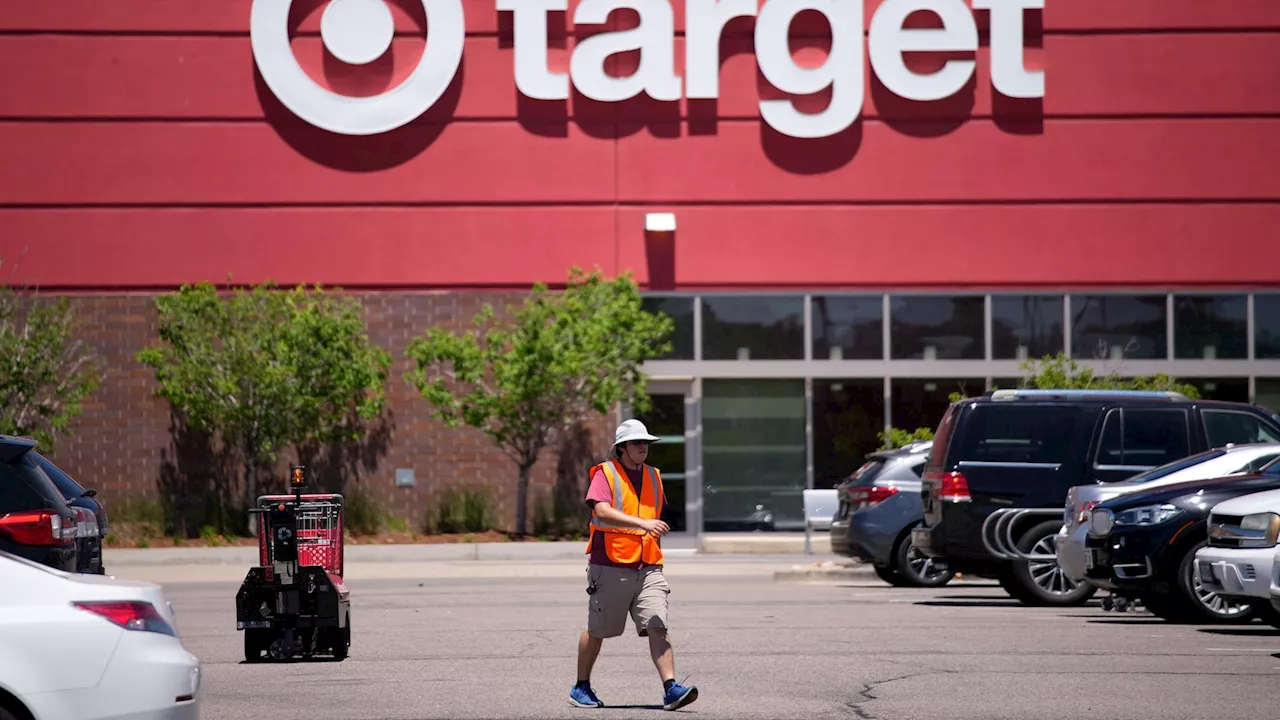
(1215, 603)
(1048, 575)
(922, 566)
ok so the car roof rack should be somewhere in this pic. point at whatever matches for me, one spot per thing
(1066, 393)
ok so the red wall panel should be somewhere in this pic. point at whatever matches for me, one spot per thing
(213, 77)
(399, 247)
(958, 246)
(253, 163)
(977, 161)
(229, 16)
(1150, 161)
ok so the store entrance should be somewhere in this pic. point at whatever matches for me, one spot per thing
(673, 417)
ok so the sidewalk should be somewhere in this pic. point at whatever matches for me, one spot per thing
(776, 556)
(712, 544)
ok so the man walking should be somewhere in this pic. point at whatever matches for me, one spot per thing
(624, 573)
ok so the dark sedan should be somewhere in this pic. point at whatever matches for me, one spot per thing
(1143, 545)
(77, 495)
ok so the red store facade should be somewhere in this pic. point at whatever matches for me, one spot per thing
(847, 220)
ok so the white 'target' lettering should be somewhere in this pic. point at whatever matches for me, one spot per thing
(654, 37)
(533, 79)
(888, 40)
(1008, 73)
(359, 31)
(842, 71)
(704, 24)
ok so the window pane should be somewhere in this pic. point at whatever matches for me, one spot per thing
(1229, 389)
(753, 328)
(1227, 426)
(1154, 437)
(1211, 327)
(847, 414)
(922, 403)
(1012, 434)
(666, 420)
(937, 327)
(1266, 324)
(753, 454)
(848, 328)
(680, 309)
(1117, 326)
(1268, 393)
(1025, 326)
(1111, 444)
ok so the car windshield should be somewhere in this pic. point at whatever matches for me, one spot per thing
(1214, 463)
(68, 487)
(23, 486)
(1173, 467)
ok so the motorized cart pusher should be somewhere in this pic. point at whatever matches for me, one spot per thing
(295, 602)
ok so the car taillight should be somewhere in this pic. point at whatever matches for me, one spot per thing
(130, 615)
(953, 487)
(40, 527)
(865, 497)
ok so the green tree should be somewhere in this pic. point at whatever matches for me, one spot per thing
(563, 356)
(1063, 373)
(267, 368)
(46, 371)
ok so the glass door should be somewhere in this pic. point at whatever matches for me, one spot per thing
(673, 417)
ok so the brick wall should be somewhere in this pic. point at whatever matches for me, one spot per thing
(123, 444)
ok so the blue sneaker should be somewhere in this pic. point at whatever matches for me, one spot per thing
(677, 696)
(584, 697)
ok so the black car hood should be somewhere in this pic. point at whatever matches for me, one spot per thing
(1197, 494)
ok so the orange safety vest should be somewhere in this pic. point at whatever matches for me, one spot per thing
(627, 544)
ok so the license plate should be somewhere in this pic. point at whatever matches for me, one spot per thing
(1089, 559)
(243, 625)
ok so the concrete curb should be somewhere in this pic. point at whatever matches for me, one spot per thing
(825, 573)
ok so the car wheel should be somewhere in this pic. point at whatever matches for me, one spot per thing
(6, 714)
(889, 575)
(1043, 582)
(1191, 602)
(920, 570)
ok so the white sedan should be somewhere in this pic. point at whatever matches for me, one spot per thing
(82, 647)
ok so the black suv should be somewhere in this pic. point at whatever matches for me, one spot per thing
(996, 482)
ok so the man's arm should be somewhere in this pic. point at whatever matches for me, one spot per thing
(606, 511)
(600, 499)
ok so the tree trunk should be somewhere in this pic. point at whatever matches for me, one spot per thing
(522, 500)
(251, 484)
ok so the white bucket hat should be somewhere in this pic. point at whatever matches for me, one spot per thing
(632, 430)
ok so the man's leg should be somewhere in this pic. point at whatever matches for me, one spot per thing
(663, 657)
(650, 615)
(606, 618)
(588, 651)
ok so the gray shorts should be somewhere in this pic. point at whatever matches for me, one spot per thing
(620, 592)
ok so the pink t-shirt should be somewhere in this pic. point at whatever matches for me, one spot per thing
(601, 491)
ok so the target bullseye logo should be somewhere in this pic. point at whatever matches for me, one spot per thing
(357, 32)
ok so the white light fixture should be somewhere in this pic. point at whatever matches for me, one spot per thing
(660, 222)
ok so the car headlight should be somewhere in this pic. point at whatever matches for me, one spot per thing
(1101, 521)
(1147, 515)
(1260, 530)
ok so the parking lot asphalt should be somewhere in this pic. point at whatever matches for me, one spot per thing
(505, 647)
